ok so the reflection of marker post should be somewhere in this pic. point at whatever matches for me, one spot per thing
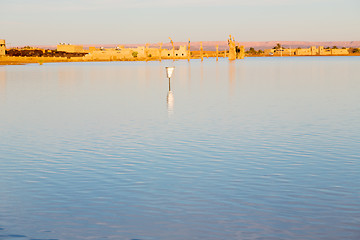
(170, 102)
(170, 97)
(169, 72)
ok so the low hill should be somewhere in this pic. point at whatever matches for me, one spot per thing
(211, 45)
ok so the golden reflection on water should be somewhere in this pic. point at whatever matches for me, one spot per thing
(232, 76)
(2, 83)
(202, 72)
(68, 77)
(110, 129)
(189, 72)
(187, 75)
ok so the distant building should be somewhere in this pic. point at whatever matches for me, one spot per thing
(180, 52)
(312, 51)
(64, 47)
(2, 47)
(121, 53)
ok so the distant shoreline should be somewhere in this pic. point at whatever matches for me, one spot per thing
(7, 60)
(223, 45)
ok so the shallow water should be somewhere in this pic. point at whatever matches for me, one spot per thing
(261, 148)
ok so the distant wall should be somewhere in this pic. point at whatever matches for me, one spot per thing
(312, 51)
(339, 51)
(121, 53)
(70, 48)
(306, 51)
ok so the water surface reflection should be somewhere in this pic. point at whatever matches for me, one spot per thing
(2, 83)
(264, 148)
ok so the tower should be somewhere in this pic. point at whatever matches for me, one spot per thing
(188, 56)
(217, 52)
(232, 52)
(173, 49)
(2, 47)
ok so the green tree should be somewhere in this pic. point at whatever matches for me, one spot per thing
(134, 54)
(334, 47)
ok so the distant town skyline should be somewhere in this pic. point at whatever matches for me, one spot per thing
(48, 22)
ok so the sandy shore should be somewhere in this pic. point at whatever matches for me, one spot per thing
(7, 60)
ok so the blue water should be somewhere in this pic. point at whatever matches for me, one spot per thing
(260, 148)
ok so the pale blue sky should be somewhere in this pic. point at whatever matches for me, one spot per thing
(48, 22)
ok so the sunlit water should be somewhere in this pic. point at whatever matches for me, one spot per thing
(261, 148)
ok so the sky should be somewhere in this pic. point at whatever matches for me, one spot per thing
(48, 22)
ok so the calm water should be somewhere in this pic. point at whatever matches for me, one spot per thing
(264, 148)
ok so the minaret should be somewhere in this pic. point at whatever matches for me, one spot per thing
(232, 51)
(217, 52)
(189, 51)
(160, 51)
(173, 49)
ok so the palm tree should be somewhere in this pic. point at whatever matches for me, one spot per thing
(278, 46)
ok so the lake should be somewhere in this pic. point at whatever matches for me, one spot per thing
(260, 148)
